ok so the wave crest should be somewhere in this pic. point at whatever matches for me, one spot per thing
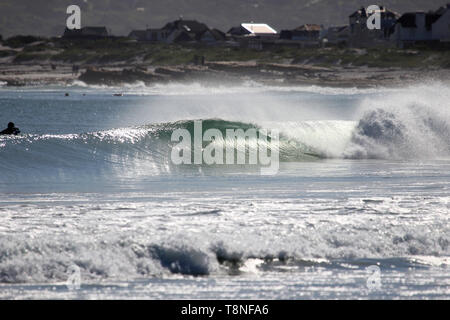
(409, 132)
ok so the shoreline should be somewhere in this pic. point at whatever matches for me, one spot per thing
(220, 73)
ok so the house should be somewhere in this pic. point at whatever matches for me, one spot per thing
(306, 35)
(183, 30)
(335, 36)
(254, 35)
(86, 33)
(306, 32)
(412, 27)
(149, 35)
(180, 31)
(157, 35)
(361, 36)
(421, 27)
(211, 36)
(441, 27)
(190, 31)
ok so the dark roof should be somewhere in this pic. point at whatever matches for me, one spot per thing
(183, 36)
(218, 35)
(361, 13)
(69, 33)
(430, 19)
(384, 13)
(389, 13)
(308, 27)
(190, 36)
(191, 26)
(238, 31)
(343, 29)
(408, 20)
(307, 31)
(97, 30)
(442, 10)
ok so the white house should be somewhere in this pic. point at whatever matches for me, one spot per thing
(254, 35)
(252, 29)
(256, 29)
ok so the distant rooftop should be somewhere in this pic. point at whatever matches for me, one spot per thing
(309, 27)
(258, 28)
(86, 32)
(384, 12)
(186, 25)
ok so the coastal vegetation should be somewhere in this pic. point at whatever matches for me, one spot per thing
(122, 51)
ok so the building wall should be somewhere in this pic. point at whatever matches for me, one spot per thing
(361, 36)
(156, 35)
(306, 36)
(336, 37)
(420, 33)
(441, 28)
(207, 37)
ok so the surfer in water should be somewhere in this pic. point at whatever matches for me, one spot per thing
(11, 130)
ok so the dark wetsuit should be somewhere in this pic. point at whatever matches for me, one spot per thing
(14, 131)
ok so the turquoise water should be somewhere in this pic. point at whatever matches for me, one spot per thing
(363, 181)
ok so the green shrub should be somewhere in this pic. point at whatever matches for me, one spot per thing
(21, 41)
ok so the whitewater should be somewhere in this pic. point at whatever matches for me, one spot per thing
(364, 180)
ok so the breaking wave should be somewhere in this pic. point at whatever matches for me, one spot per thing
(411, 132)
(39, 261)
(147, 148)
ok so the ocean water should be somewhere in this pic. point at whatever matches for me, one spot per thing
(92, 207)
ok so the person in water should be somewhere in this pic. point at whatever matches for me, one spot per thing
(11, 129)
